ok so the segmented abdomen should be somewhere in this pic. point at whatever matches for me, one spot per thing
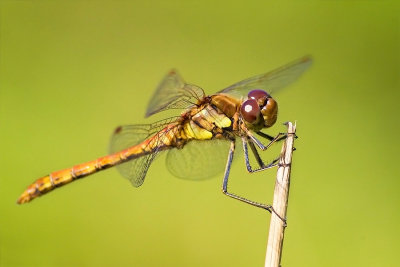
(161, 140)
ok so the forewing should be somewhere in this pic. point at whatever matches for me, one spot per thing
(129, 135)
(198, 160)
(173, 93)
(271, 81)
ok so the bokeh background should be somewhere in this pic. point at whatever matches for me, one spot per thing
(71, 71)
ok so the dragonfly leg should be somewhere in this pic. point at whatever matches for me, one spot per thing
(281, 136)
(266, 136)
(255, 153)
(257, 156)
(277, 138)
(245, 200)
(272, 139)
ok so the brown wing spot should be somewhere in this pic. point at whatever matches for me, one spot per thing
(118, 130)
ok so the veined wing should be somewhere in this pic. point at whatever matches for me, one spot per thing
(173, 93)
(198, 160)
(129, 135)
(271, 81)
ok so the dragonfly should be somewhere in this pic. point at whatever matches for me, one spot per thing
(199, 140)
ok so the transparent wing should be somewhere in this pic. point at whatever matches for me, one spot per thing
(173, 93)
(129, 135)
(198, 160)
(271, 81)
(135, 170)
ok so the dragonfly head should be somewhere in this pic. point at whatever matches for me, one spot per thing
(259, 110)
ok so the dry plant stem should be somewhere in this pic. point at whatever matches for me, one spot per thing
(281, 194)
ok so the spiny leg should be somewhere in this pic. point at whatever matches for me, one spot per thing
(277, 138)
(225, 182)
(257, 156)
(245, 200)
(283, 136)
(266, 136)
(255, 152)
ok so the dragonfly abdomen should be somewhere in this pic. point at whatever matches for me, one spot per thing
(59, 178)
(62, 177)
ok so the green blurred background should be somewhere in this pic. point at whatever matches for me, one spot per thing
(71, 71)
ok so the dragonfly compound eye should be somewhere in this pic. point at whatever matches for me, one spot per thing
(258, 95)
(250, 110)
